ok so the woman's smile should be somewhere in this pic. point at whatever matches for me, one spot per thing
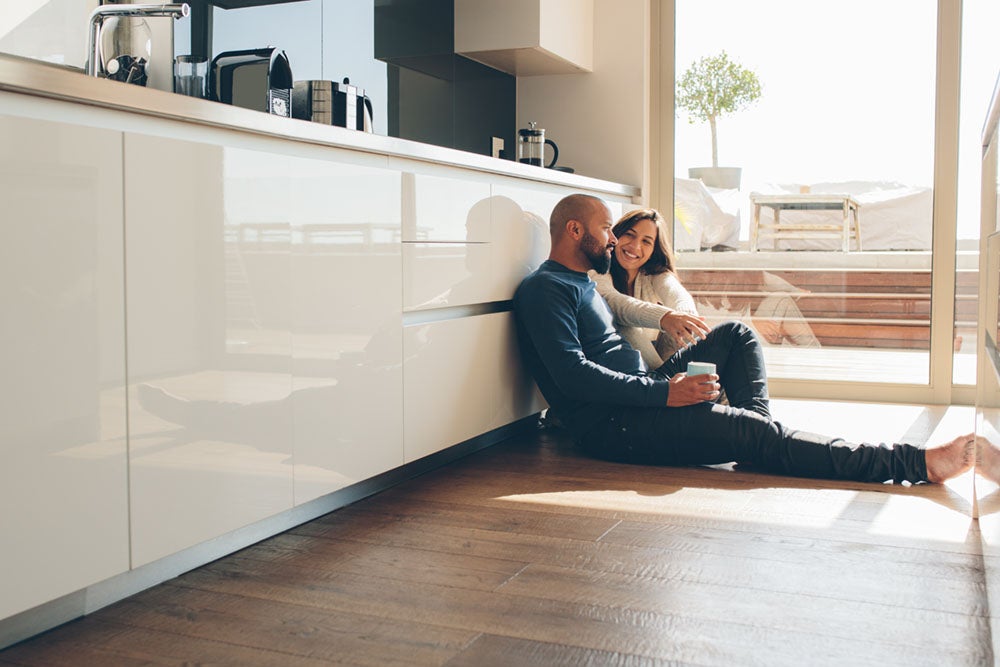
(635, 245)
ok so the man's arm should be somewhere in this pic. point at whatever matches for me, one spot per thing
(547, 314)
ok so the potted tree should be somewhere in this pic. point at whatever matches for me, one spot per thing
(712, 87)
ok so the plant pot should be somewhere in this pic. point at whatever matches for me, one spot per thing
(718, 177)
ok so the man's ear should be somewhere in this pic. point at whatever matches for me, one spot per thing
(574, 228)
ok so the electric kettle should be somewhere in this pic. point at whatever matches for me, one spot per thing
(531, 144)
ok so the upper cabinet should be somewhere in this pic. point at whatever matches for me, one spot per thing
(527, 37)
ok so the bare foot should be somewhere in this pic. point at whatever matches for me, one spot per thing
(988, 459)
(952, 459)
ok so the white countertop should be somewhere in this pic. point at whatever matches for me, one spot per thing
(26, 76)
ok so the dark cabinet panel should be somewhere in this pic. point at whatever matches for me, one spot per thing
(436, 96)
(241, 4)
(399, 52)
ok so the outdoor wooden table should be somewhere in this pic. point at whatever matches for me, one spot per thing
(806, 202)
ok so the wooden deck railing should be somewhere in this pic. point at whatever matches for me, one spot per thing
(887, 308)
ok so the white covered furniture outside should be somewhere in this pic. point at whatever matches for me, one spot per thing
(896, 216)
(704, 217)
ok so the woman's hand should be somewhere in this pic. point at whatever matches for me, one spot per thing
(684, 328)
(690, 389)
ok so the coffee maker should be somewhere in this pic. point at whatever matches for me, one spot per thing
(259, 79)
(332, 103)
(531, 143)
(351, 107)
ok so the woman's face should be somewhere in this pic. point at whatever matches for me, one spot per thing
(636, 245)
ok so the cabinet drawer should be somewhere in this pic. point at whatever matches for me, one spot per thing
(439, 275)
(462, 378)
(449, 372)
(443, 208)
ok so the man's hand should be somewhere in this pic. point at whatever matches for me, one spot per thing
(688, 390)
(684, 328)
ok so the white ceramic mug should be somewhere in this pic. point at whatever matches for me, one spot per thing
(700, 368)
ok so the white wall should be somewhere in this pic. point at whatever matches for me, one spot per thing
(50, 30)
(597, 118)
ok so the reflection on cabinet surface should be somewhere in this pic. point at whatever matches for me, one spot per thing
(264, 347)
(460, 380)
(444, 205)
(505, 243)
(63, 509)
(261, 285)
(987, 479)
(209, 428)
(346, 305)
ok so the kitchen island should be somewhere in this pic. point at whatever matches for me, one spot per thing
(221, 324)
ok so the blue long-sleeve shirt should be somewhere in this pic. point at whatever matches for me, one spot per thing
(569, 344)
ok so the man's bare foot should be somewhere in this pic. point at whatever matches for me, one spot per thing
(988, 459)
(952, 459)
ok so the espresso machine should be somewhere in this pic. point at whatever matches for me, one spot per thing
(259, 79)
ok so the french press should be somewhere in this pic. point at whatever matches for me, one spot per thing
(531, 143)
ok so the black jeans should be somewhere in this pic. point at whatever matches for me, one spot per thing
(743, 431)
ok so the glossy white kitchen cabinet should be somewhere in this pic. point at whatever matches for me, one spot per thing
(443, 204)
(441, 275)
(63, 477)
(281, 381)
(346, 302)
(502, 242)
(520, 236)
(452, 368)
(462, 379)
(462, 375)
(516, 395)
(210, 341)
(447, 229)
(275, 330)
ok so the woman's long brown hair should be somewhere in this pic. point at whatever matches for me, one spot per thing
(661, 260)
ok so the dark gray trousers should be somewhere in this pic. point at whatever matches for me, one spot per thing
(743, 431)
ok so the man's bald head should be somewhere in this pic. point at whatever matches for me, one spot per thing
(572, 207)
(580, 226)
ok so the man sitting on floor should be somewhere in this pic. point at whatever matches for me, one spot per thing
(618, 409)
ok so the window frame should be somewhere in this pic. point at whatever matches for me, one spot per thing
(940, 389)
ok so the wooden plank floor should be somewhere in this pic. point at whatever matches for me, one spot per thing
(529, 554)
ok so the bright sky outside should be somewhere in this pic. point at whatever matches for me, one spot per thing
(847, 91)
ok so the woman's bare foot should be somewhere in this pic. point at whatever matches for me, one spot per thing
(952, 459)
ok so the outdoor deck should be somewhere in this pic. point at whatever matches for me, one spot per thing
(830, 315)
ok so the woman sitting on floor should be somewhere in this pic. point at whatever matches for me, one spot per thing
(642, 286)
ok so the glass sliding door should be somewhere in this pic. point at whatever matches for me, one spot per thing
(803, 191)
(979, 71)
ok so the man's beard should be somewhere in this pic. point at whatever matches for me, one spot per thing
(600, 258)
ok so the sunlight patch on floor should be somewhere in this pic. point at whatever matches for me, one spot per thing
(873, 422)
(804, 508)
(921, 519)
